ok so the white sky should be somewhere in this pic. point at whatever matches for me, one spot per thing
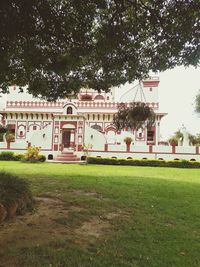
(177, 90)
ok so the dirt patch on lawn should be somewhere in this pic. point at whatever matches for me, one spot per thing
(86, 193)
(53, 220)
(36, 227)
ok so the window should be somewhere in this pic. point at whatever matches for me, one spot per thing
(69, 110)
(97, 127)
(50, 157)
(150, 135)
(34, 127)
(86, 97)
(99, 97)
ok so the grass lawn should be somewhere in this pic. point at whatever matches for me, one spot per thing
(104, 216)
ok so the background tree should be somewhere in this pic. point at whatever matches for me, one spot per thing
(178, 137)
(197, 103)
(60, 46)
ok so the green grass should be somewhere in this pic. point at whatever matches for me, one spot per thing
(161, 227)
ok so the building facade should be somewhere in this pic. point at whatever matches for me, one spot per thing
(62, 128)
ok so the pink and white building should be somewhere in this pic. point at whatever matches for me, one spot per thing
(62, 128)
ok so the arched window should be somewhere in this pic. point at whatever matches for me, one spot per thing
(86, 97)
(99, 97)
(97, 127)
(69, 110)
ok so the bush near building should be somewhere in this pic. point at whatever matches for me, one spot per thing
(28, 157)
(9, 155)
(144, 162)
(32, 155)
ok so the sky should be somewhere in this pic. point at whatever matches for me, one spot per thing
(177, 90)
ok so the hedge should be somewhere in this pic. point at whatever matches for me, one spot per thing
(8, 155)
(11, 156)
(144, 162)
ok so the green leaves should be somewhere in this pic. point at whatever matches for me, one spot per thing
(58, 47)
(135, 116)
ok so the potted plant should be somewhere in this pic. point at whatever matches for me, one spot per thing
(173, 141)
(128, 141)
(134, 116)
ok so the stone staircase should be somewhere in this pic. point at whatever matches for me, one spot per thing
(67, 156)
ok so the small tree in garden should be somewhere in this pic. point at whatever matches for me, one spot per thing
(10, 137)
(178, 137)
(86, 148)
(32, 155)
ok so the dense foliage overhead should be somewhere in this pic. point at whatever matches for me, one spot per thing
(135, 116)
(59, 46)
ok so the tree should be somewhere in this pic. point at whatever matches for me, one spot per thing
(197, 103)
(178, 136)
(60, 46)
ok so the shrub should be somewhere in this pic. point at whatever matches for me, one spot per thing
(18, 157)
(144, 162)
(10, 137)
(15, 194)
(32, 155)
(41, 158)
(8, 155)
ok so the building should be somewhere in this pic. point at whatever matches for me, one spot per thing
(62, 128)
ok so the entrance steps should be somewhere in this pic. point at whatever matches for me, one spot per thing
(67, 156)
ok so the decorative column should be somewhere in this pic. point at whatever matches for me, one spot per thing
(157, 131)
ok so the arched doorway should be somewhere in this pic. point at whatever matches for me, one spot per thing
(68, 136)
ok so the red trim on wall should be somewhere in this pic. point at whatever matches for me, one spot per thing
(174, 150)
(150, 83)
(106, 147)
(62, 123)
(150, 149)
(55, 147)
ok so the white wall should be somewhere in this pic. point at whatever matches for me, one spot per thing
(41, 138)
(95, 138)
